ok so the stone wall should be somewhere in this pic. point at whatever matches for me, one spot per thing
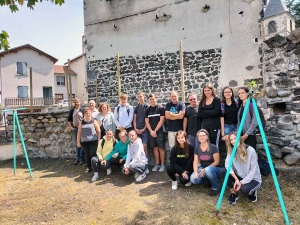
(153, 73)
(45, 134)
(281, 103)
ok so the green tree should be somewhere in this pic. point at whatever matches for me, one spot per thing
(294, 9)
(14, 7)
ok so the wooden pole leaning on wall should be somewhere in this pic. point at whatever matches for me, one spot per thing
(119, 75)
(31, 90)
(70, 83)
(68, 93)
(182, 72)
(96, 87)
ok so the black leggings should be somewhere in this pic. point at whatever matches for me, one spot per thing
(172, 171)
(90, 149)
(214, 133)
(246, 189)
(251, 140)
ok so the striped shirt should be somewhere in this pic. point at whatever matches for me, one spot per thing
(88, 131)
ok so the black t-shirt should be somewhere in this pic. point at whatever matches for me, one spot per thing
(175, 125)
(206, 158)
(154, 114)
(140, 115)
(191, 113)
(230, 114)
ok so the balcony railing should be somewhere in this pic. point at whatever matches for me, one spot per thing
(26, 101)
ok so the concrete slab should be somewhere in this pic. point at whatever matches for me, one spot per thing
(7, 151)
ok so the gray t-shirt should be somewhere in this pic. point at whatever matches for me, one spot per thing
(206, 158)
(139, 111)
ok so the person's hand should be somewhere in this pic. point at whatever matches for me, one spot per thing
(126, 170)
(223, 138)
(237, 185)
(72, 128)
(78, 145)
(244, 137)
(121, 128)
(121, 160)
(185, 175)
(202, 173)
(103, 162)
(153, 134)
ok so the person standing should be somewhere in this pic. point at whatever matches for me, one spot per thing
(209, 113)
(105, 119)
(174, 113)
(93, 109)
(88, 137)
(139, 120)
(74, 118)
(154, 119)
(191, 121)
(123, 115)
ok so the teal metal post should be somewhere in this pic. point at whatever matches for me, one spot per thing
(23, 144)
(15, 145)
(238, 136)
(263, 136)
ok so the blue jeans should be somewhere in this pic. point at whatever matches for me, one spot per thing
(193, 141)
(79, 151)
(229, 128)
(211, 174)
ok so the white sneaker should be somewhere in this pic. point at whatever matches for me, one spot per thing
(95, 177)
(108, 171)
(188, 184)
(162, 168)
(155, 168)
(136, 175)
(140, 177)
(146, 171)
(174, 185)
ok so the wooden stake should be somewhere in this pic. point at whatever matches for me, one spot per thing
(70, 83)
(31, 90)
(182, 72)
(119, 75)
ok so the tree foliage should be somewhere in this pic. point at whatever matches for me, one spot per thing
(14, 7)
(294, 8)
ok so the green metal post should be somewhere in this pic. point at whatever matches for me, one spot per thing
(15, 145)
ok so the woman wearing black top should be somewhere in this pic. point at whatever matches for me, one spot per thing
(181, 160)
(209, 112)
(229, 109)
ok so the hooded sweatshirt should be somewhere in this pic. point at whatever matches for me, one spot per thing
(107, 147)
(136, 155)
(123, 118)
(120, 148)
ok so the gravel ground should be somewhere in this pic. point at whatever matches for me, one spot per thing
(61, 193)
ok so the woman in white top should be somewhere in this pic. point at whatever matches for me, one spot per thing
(105, 119)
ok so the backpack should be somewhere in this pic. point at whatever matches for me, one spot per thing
(223, 105)
(265, 168)
(261, 115)
(127, 108)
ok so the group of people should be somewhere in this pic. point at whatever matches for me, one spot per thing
(120, 138)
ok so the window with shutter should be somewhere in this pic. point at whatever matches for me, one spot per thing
(22, 91)
(272, 27)
(60, 80)
(22, 68)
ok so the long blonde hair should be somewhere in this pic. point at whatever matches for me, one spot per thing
(241, 149)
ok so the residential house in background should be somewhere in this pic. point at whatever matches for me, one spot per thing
(15, 79)
(78, 66)
(60, 80)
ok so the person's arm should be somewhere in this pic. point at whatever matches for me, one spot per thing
(184, 124)
(79, 135)
(160, 123)
(134, 118)
(195, 166)
(99, 150)
(116, 118)
(128, 158)
(130, 117)
(173, 162)
(70, 119)
(222, 128)
(191, 158)
(216, 159)
(70, 125)
(177, 116)
(254, 123)
(98, 130)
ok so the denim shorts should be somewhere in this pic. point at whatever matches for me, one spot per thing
(229, 128)
(144, 136)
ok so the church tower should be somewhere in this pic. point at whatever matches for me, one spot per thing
(277, 20)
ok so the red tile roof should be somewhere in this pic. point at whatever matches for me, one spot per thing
(58, 69)
(28, 46)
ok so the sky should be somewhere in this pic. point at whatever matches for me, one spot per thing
(56, 30)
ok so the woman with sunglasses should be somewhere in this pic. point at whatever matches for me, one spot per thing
(209, 112)
(206, 162)
(229, 109)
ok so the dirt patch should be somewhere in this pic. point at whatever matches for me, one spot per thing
(61, 193)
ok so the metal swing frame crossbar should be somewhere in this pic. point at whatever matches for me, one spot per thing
(283, 208)
(16, 121)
